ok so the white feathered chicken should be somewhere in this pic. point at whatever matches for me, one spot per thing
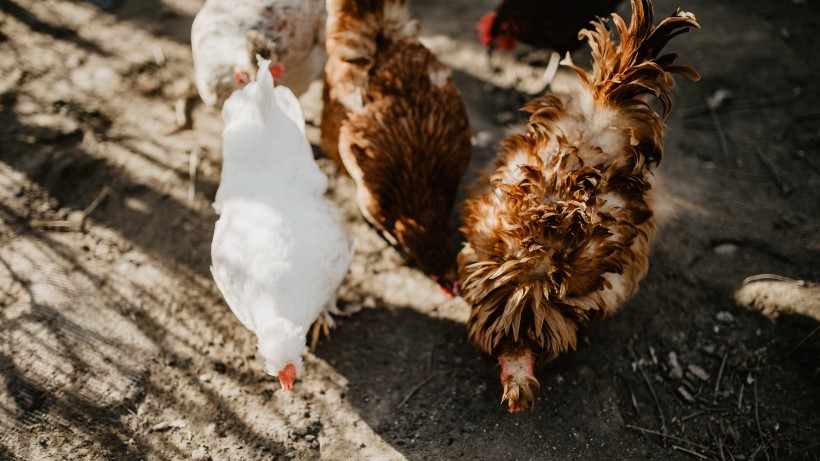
(228, 34)
(280, 250)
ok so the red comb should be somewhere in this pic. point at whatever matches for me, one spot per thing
(484, 27)
(276, 71)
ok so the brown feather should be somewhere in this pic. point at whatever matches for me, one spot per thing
(563, 234)
(397, 123)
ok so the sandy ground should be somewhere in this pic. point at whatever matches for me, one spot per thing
(115, 343)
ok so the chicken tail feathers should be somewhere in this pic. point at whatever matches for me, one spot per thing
(625, 73)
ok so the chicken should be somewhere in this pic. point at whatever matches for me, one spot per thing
(396, 122)
(280, 250)
(562, 236)
(547, 24)
(227, 35)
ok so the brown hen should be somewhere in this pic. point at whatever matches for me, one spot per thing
(547, 24)
(397, 123)
(563, 234)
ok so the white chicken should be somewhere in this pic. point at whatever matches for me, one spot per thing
(280, 249)
(227, 35)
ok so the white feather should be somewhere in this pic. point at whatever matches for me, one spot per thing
(280, 249)
(219, 42)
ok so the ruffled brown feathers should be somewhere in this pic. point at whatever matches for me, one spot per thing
(563, 235)
(540, 250)
(625, 73)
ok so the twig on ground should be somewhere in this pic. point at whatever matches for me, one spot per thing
(633, 399)
(720, 374)
(76, 223)
(766, 277)
(754, 455)
(785, 188)
(757, 421)
(803, 341)
(418, 387)
(690, 452)
(718, 442)
(649, 385)
(693, 415)
(666, 436)
(654, 397)
(740, 396)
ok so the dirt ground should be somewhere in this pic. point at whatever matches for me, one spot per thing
(115, 343)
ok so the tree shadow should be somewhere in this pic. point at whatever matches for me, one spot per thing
(105, 352)
(58, 32)
(57, 161)
(154, 16)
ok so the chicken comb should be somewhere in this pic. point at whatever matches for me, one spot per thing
(484, 28)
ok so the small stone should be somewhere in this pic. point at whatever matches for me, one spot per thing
(676, 371)
(483, 139)
(205, 378)
(699, 372)
(725, 317)
(165, 425)
(726, 249)
(718, 97)
(685, 394)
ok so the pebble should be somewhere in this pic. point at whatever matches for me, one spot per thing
(165, 425)
(483, 139)
(685, 394)
(726, 249)
(725, 317)
(699, 372)
(676, 371)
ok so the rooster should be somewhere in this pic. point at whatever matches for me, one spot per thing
(279, 250)
(547, 24)
(563, 234)
(227, 35)
(396, 122)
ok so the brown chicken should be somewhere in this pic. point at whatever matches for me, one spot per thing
(397, 123)
(563, 234)
(547, 24)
